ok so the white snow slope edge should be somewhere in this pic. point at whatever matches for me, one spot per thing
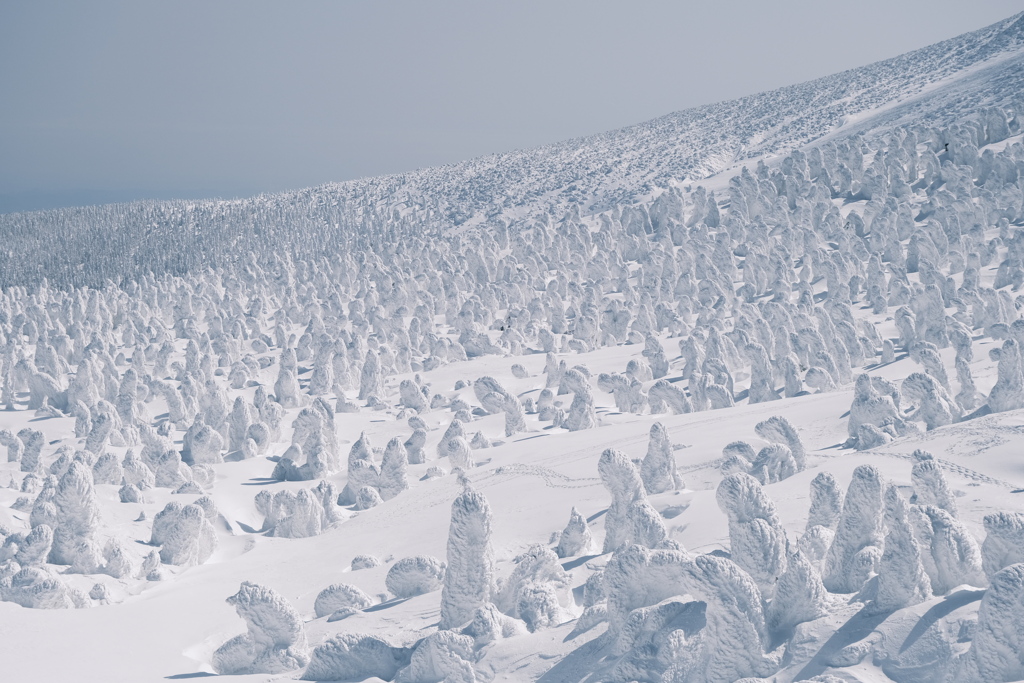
(735, 394)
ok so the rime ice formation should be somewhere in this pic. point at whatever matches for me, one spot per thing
(539, 591)
(455, 430)
(798, 596)
(414, 576)
(77, 521)
(664, 396)
(575, 538)
(37, 588)
(469, 577)
(34, 547)
(354, 657)
(412, 397)
(1004, 541)
(756, 537)
(934, 406)
(361, 470)
(737, 456)
(442, 656)
(168, 369)
(489, 625)
(857, 546)
(459, 452)
(338, 596)
(956, 557)
(393, 470)
(902, 580)
(997, 648)
(930, 487)
(33, 445)
(779, 430)
(874, 409)
(658, 469)
(621, 478)
(275, 641)
(1008, 392)
(648, 641)
(299, 514)
(581, 412)
(14, 445)
(774, 463)
(364, 562)
(107, 470)
(185, 535)
(762, 383)
(627, 393)
(826, 501)
(414, 447)
(734, 640)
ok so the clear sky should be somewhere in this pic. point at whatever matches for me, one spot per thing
(109, 101)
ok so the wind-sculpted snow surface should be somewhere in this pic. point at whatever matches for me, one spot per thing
(504, 332)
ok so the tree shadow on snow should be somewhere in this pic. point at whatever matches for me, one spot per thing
(952, 602)
(980, 412)
(579, 666)
(385, 605)
(535, 436)
(197, 674)
(572, 564)
(247, 529)
(859, 627)
(896, 359)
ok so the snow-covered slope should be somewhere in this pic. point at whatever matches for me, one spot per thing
(933, 85)
(747, 405)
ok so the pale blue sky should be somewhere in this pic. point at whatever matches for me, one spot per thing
(109, 101)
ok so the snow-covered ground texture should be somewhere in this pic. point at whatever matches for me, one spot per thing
(684, 421)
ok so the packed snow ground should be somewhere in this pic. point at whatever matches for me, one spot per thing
(362, 465)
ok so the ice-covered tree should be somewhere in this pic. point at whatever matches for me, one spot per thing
(902, 580)
(658, 469)
(756, 538)
(469, 578)
(856, 548)
(274, 642)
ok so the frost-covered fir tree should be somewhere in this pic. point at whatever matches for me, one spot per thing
(469, 578)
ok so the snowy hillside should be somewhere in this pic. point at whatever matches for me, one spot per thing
(934, 85)
(735, 394)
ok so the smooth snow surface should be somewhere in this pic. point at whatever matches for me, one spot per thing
(735, 394)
